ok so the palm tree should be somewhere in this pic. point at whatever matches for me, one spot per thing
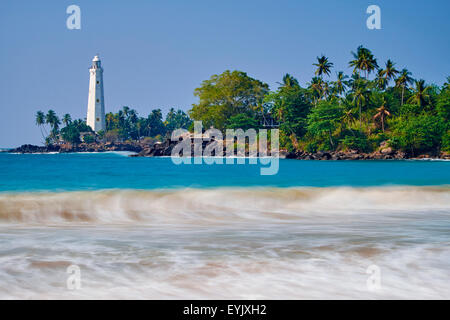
(126, 111)
(289, 81)
(363, 61)
(340, 85)
(380, 81)
(48, 141)
(323, 66)
(325, 89)
(40, 121)
(403, 80)
(420, 94)
(120, 118)
(383, 112)
(446, 84)
(109, 121)
(132, 115)
(349, 119)
(52, 119)
(316, 89)
(360, 94)
(389, 72)
(67, 119)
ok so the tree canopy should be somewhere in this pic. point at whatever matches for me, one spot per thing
(226, 95)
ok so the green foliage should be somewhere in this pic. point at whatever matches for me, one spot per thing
(357, 112)
(324, 120)
(71, 134)
(312, 147)
(410, 110)
(88, 138)
(446, 141)
(226, 95)
(443, 104)
(359, 143)
(420, 133)
(176, 120)
(127, 125)
(289, 106)
(154, 124)
(241, 121)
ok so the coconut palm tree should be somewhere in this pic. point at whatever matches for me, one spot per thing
(363, 61)
(316, 89)
(52, 119)
(323, 66)
(40, 121)
(389, 72)
(360, 94)
(126, 111)
(403, 80)
(121, 118)
(326, 90)
(109, 121)
(420, 94)
(288, 81)
(383, 112)
(132, 115)
(349, 119)
(340, 85)
(446, 84)
(67, 119)
(380, 81)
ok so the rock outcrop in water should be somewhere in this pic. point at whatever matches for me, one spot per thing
(29, 148)
(83, 147)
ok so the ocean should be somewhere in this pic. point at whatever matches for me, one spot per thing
(145, 228)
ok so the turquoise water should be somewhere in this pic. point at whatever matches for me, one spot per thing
(147, 228)
(68, 172)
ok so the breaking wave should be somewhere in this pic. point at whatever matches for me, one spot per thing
(216, 206)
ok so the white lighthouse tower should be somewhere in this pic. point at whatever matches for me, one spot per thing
(96, 102)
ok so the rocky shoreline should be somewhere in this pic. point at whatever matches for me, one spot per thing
(384, 153)
(165, 149)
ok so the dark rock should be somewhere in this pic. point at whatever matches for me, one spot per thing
(28, 148)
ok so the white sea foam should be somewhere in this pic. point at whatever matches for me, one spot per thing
(216, 206)
(227, 243)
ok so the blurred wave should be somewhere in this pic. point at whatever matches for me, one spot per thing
(216, 206)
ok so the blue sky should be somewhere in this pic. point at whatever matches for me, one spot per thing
(155, 53)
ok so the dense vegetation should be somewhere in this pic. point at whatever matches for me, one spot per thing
(359, 111)
(125, 125)
(373, 104)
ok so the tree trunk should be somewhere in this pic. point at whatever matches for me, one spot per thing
(403, 92)
(360, 117)
(331, 140)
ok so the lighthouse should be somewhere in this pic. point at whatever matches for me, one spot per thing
(96, 101)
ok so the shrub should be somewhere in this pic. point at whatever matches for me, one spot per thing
(446, 141)
(355, 143)
(88, 139)
(311, 147)
(419, 133)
